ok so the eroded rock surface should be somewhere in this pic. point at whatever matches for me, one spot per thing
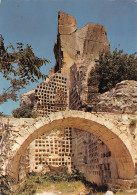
(73, 44)
(28, 98)
(122, 98)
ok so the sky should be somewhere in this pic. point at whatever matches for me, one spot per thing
(34, 22)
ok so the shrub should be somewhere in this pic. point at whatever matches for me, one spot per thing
(115, 67)
(35, 180)
(25, 111)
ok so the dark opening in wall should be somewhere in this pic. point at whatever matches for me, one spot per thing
(136, 168)
(61, 54)
(109, 154)
(78, 52)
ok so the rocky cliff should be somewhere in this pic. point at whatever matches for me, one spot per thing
(76, 52)
(73, 44)
(121, 99)
(28, 98)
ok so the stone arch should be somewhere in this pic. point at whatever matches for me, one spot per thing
(93, 123)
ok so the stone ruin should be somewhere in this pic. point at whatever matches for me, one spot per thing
(71, 86)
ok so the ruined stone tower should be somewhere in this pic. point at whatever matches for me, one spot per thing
(76, 52)
(68, 87)
(73, 44)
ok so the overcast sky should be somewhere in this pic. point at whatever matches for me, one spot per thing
(35, 22)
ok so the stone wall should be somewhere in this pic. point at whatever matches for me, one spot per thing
(51, 95)
(51, 151)
(93, 158)
(24, 163)
(83, 86)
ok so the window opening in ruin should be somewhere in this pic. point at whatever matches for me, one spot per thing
(78, 52)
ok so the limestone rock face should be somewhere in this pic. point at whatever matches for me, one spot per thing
(73, 44)
(76, 52)
(66, 24)
(28, 98)
(122, 98)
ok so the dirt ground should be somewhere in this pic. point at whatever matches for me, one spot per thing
(46, 193)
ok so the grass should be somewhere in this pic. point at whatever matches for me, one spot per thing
(39, 183)
(65, 183)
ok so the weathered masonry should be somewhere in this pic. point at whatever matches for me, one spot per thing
(122, 147)
(51, 151)
(73, 129)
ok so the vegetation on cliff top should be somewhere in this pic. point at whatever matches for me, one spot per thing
(115, 67)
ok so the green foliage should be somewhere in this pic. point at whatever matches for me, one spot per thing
(29, 187)
(60, 180)
(60, 176)
(25, 111)
(20, 67)
(64, 176)
(35, 180)
(115, 67)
